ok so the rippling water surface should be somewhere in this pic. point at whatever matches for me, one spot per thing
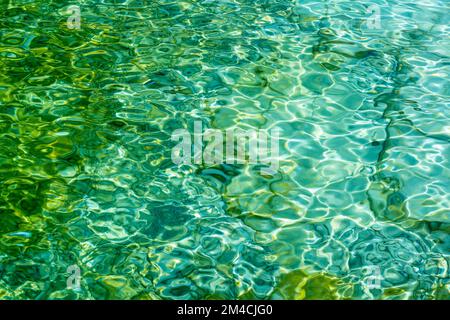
(359, 208)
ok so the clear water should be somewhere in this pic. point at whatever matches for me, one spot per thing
(359, 208)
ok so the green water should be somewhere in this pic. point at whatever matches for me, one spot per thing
(87, 180)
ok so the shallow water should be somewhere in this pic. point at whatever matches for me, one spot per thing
(359, 208)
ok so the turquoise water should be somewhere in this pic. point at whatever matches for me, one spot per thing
(358, 208)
